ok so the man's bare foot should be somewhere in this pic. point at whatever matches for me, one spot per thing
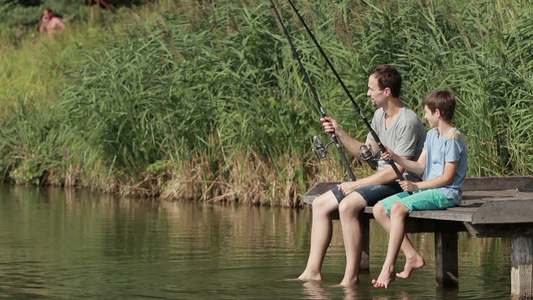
(411, 265)
(307, 276)
(384, 280)
(347, 282)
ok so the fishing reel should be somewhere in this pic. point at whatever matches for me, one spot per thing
(366, 154)
(320, 149)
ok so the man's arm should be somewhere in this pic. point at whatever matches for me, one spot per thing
(384, 176)
(351, 144)
(60, 23)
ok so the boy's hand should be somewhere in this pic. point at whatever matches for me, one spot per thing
(408, 186)
(389, 154)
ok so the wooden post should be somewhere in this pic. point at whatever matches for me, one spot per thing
(446, 260)
(365, 256)
(522, 267)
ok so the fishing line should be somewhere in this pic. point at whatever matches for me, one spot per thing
(372, 132)
(320, 148)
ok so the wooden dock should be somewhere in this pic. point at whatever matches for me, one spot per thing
(491, 207)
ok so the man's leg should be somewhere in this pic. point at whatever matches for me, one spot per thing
(321, 232)
(349, 210)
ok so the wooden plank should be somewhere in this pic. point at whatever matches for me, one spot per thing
(500, 230)
(317, 190)
(495, 183)
(504, 211)
(448, 215)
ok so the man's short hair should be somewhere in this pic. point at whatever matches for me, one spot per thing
(388, 77)
(443, 100)
(48, 10)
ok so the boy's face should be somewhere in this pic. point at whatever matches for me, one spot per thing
(377, 96)
(431, 117)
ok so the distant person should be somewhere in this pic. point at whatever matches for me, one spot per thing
(51, 23)
(444, 163)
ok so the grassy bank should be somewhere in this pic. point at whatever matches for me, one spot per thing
(204, 101)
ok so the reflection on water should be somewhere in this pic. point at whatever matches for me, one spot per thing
(79, 245)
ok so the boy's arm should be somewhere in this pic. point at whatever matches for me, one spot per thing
(418, 166)
(442, 180)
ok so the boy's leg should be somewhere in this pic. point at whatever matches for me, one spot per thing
(413, 260)
(431, 199)
(398, 207)
(321, 232)
(349, 210)
(396, 237)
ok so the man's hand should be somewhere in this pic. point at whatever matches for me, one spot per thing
(347, 187)
(408, 186)
(330, 125)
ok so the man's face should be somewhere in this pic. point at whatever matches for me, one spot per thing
(377, 95)
(47, 14)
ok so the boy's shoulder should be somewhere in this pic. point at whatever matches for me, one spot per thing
(456, 135)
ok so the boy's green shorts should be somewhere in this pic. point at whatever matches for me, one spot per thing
(431, 199)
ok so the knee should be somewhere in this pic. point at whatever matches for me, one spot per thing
(324, 204)
(351, 206)
(345, 211)
(398, 209)
(379, 211)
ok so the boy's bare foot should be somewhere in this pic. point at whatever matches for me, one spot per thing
(411, 265)
(384, 280)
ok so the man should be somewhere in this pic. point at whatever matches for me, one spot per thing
(51, 23)
(397, 127)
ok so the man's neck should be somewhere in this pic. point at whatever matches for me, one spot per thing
(393, 107)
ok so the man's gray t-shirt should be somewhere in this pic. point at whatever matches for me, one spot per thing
(405, 137)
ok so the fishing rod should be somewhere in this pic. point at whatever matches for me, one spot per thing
(319, 146)
(372, 132)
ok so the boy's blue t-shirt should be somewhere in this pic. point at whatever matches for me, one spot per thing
(449, 148)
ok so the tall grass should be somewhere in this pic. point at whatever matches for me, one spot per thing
(205, 101)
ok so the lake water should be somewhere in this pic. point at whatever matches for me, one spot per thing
(75, 244)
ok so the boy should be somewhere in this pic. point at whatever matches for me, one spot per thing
(444, 160)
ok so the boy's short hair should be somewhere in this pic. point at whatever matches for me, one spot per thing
(443, 100)
(388, 77)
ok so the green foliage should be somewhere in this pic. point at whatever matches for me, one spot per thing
(31, 143)
(194, 80)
